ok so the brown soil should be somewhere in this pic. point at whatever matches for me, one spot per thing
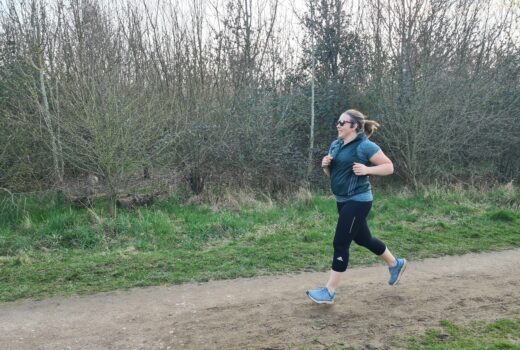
(274, 312)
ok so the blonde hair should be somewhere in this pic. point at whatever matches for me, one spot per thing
(363, 124)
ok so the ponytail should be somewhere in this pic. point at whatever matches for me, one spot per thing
(363, 124)
(370, 127)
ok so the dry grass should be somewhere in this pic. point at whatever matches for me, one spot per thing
(235, 200)
(303, 195)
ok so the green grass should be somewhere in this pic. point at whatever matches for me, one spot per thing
(478, 335)
(48, 248)
(499, 335)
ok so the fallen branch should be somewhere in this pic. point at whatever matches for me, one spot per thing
(135, 200)
(127, 201)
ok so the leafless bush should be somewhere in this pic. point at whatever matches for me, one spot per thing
(213, 93)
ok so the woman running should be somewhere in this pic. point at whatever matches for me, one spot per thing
(351, 158)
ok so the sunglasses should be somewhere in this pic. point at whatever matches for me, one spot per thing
(343, 122)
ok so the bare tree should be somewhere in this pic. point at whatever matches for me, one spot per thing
(434, 82)
(31, 35)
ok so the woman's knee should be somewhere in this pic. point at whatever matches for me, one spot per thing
(373, 244)
(362, 242)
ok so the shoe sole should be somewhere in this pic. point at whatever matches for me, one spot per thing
(319, 301)
(401, 272)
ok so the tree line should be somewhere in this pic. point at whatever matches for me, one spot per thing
(218, 93)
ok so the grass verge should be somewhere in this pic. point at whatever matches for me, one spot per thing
(48, 248)
(498, 335)
(503, 334)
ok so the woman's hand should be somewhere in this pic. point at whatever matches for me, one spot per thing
(360, 169)
(325, 162)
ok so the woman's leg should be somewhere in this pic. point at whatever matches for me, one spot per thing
(349, 214)
(344, 235)
(334, 278)
(388, 258)
(364, 238)
(342, 240)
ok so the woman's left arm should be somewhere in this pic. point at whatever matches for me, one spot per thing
(382, 166)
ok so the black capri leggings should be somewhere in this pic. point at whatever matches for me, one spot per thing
(352, 226)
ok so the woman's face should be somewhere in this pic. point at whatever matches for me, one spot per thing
(346, 126)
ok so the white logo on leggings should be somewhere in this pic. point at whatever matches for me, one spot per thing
(339, 258)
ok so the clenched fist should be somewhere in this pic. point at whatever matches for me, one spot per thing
(325, 162)
(360, 169)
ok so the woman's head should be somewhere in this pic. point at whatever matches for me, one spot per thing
(359, 121)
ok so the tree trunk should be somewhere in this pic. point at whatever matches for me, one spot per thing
(57, 157)
(112, 207)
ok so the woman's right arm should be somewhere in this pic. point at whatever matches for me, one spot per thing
(325, 162)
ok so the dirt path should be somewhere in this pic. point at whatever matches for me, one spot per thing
(273, 312)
